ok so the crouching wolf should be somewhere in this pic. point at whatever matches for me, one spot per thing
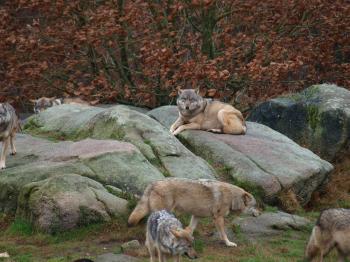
(8, 126)
(198, 113)
(165, 235)
(46, 102)
(332, 229)
(200, 198)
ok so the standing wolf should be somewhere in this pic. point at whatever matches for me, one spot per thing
(8, 127)
(166, 235)
(332, 229)
(198, 113)
(200, 198)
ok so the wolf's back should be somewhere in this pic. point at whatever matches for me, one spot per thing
(142, 208)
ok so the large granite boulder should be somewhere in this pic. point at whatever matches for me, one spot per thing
(63, 202)
(109, 162)
(263, 159)
(119, 122)
(270, 223)
(317, 118)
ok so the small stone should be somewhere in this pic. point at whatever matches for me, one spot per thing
(5, 255)
(131, 245)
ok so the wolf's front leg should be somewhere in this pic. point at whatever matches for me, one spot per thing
(177, 258)
(187, 126)
(220, 225)
(177, 123)
(193, 224)
(5, 144)
(161, 255)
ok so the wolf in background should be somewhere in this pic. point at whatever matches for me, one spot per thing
(200, 198)
(46, 102)
(332, 229)
(198, 113)
(165, 235)
(8, 126)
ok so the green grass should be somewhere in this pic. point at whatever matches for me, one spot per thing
(20, 228)
(25, 244)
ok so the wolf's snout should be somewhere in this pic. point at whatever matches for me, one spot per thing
(187, 107)
(191, 254)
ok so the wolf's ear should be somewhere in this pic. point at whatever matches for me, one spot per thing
(238, 203)
(179, 91)
(197, 90)
(188, 229)
(176, 233)
(247, 198)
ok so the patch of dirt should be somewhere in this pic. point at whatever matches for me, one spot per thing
(336, 193)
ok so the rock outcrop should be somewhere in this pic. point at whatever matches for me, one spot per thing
(261, 159)
(317, 118)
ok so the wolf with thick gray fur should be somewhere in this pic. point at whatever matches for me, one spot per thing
(214, 116)
(332, 229)
(166, 236)
(200, 198)
(8, 126)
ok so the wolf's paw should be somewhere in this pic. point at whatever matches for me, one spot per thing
(2, 165)
(176, 132)
(215, 130)
(13, 153)
(230, 244)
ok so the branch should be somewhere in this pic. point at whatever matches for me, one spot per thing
(192, 24)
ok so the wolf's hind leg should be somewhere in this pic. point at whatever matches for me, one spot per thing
(232, 122)
(215, 130)
(5, 145)
(13, 148)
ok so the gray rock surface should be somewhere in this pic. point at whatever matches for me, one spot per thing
(317, 118)
(63, 202)
(263, 158)
(110, 257)
(269, 223)
(163, 150)
(109, 162)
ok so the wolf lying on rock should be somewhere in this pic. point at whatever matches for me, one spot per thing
(198, 113)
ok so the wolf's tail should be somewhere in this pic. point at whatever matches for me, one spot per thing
(313, 247)
(142, 208)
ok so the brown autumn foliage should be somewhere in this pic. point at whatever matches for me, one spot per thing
(141, 51)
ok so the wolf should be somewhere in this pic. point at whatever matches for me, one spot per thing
(198, 113)
(46, 102)
(200, 198)
(8, 126)
(165, 235)
(332, 229)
